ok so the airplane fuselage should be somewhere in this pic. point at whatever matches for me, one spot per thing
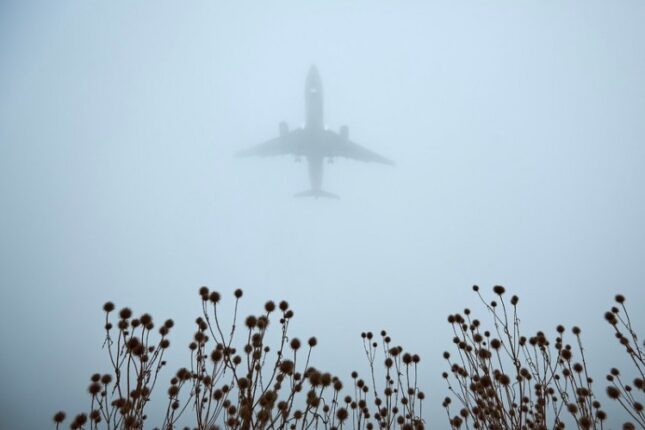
(314, 127)
(314, 101)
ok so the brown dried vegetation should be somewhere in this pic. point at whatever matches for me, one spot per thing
(501, 379)
(498, 378)
(236, 380)
(631, 397)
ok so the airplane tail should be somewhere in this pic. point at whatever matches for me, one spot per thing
(317, 194)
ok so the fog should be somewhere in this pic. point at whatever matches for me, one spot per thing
(516, 127)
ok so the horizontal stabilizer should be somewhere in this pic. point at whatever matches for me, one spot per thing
(317, 194)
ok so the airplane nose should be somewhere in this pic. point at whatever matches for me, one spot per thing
(313, 78)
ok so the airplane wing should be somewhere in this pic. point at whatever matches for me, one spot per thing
(282, 145)
(340, 147)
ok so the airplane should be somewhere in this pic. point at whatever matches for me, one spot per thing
(314, 141)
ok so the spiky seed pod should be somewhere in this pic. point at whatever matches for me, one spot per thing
(183, 374)
(146, 319)
(59, 417)
(611, 318)
(94, 388)
(243, 383)
(217, 395)
(613, 392)
(315, 378)
(499, 290)
(566, 354)
(80, 419)
(238, 293)
(125, 313)
(263, 322)
(108, 307)
(325, 379)
(639, 383)
(251, 321)
(214, 297)
(342, 414)
(287, 367)
(504, 380)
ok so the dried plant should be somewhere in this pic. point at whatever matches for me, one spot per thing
(499, 379)
(244, 386)
(502, 379)
(630, 397)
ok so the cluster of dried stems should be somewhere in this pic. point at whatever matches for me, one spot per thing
(501, 379)
(619, 389)
(235, 380)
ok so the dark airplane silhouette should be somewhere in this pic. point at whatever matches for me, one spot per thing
(314, 141)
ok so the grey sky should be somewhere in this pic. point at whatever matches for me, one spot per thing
(517, 128)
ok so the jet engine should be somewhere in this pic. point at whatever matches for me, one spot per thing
(284, 129)
(344, 132)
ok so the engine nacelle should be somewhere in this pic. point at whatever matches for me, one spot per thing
(344, 132)
(284, 129)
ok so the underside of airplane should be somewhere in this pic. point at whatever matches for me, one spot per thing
(314, 142)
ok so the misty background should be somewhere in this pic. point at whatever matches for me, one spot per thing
(517, 128)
